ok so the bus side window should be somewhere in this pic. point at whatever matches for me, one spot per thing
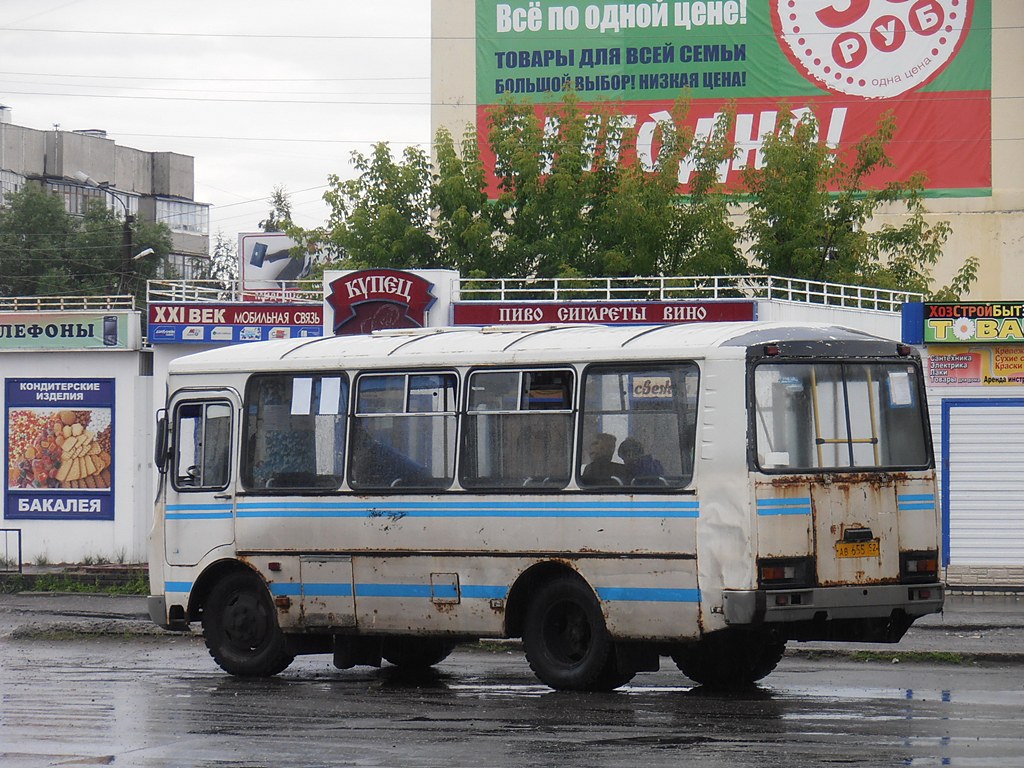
(294, 432)
(518, 430)
(202, 446)
(403, 434)
(638, 426)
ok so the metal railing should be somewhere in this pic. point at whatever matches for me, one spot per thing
(571, 288)
(10, 555)
(231, 291)
(683, 288)
(65, 303)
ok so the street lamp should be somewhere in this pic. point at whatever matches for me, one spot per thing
(126, 232)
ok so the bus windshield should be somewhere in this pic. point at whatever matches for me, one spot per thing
(832, 415)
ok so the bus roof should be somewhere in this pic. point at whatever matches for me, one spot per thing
(471, 345)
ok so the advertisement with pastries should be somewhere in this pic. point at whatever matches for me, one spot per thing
(60, 448)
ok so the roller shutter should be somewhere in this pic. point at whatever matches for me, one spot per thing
(983, 480)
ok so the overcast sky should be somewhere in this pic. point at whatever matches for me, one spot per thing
(260, 93)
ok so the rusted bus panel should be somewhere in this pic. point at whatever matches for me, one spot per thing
(783, 512)
(643, 599)
(855, 507)
(470, 524)
(433, 594)
(285, 585)
(919, 511)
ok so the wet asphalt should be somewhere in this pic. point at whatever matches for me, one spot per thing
(974, 626)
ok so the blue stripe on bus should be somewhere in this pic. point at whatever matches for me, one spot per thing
(784, 506)
(198, 512)
(911, 501)
(648, 595)
(468, 591)
(456, 509)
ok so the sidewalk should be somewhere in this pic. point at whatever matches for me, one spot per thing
(972, 627)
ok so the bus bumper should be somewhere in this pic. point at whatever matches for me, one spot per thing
(848, 606)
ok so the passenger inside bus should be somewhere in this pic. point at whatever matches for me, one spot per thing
(602, 469)
(641, 466)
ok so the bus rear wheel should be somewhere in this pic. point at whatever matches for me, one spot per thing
(566, 641)
(416, 653)
(241, 630)
(729, 658)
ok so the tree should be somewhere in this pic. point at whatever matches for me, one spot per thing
(279, 218)
(811, 208)
(382, 217)
(574, 194)
(45, 251)
(223, 262)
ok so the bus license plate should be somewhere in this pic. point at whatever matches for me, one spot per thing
(858, 548)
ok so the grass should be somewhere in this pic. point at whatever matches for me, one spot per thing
(62, 583)
(921, 657)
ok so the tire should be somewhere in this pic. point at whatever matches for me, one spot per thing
(416, 653)
(241, 630)
(566, 641)
(730, 658)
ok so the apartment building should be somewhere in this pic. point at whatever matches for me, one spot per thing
(83, 165)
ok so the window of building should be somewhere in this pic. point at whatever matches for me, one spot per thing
(403, 436)
(638, 426)
(518, 431)
(183, 215)
(77, 198)
(294, 433)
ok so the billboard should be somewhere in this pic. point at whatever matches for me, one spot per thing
(232, 323)
(267, 263)
(929, 62)
(60, 448)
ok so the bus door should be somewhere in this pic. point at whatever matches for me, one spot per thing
(199, 513)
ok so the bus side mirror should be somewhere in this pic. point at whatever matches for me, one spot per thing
(162, 450)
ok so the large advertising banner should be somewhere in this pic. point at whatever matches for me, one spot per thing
(848, 61)
(60, 447)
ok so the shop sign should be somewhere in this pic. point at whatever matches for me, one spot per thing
(987, 366)
(375, 299)
(605, 313)
(974, 322)
(60, 448)
(232, 323)
(71, 331)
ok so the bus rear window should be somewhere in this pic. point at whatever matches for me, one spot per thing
(830, 415)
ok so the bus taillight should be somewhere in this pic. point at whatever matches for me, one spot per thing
(779, 573)
(917, 567)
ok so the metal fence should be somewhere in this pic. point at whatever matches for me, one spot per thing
(64, 303)
(682, 288)
(10, 550)
(231, 291)
(567, 289)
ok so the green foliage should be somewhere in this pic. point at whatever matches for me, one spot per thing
(810, 209)
(45, 251)
(574, 197)
(280, 216)
(138, 585)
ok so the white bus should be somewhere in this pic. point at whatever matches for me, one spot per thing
(611, 495)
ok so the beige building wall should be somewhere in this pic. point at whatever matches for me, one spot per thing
(991, 228)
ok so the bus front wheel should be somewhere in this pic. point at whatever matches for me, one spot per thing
(241, 630)
(566, 641)
(730, 658)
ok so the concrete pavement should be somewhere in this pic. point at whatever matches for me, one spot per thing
(972, 627)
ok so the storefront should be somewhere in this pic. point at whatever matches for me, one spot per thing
(975, 376)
